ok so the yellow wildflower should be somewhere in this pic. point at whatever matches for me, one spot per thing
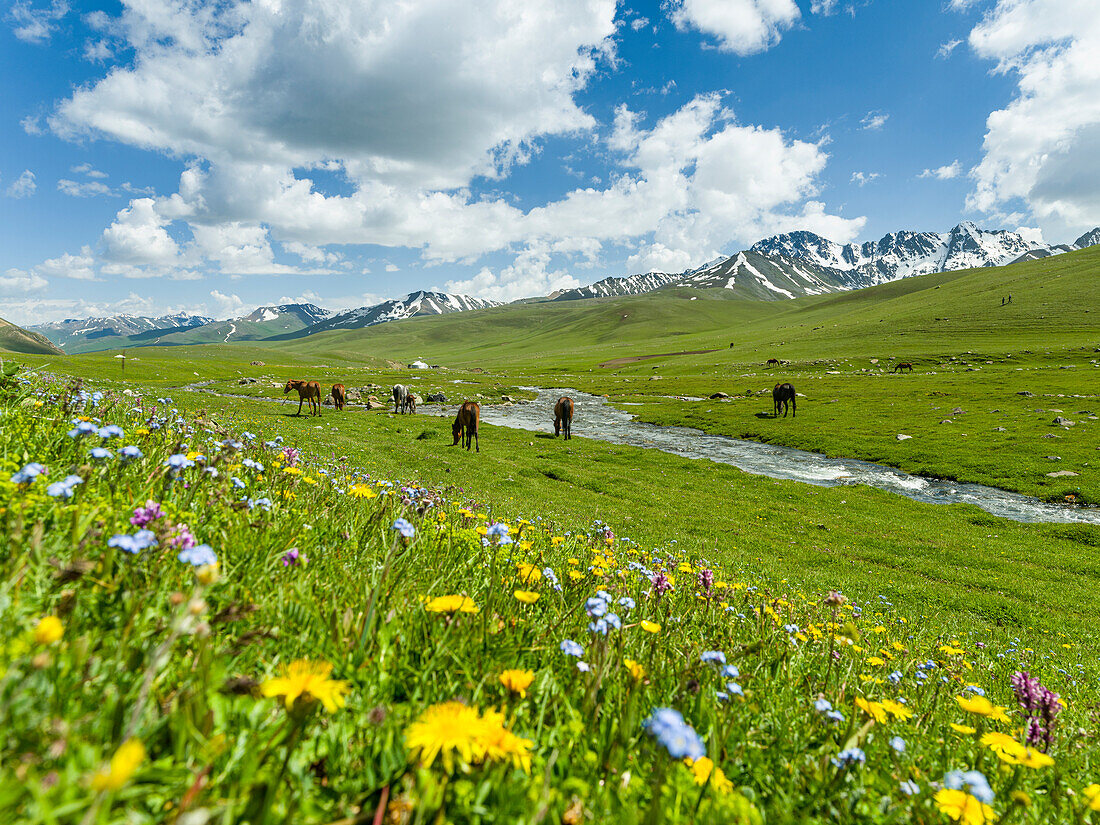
(650, 627)
(982, 707)
(703, 769)
(48, 630)
(962, 807)
(951, 651)
(528, 573)
(636, 670)
(445, 730)
(897, 709)
(451, 604)
(1092, 794)
(872, 709)
(875, 661)
(292, 471)
(965, 730)
(526, 596)
(362, 491)
(556, 540)
(1012, 752)
(576, 575)
(502, 745)
(127, 759)
(307, 680)
(517, 681)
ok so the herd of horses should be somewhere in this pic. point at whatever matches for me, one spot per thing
(465, 426)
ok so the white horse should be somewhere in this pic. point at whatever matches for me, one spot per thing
(402, 399)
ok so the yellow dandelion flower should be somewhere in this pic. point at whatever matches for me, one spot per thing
(451, 604)
(875, 661)
(962, 807)
(704, 769)
(502, 745)
(1092, 794)
(465, 513)
(193, 454)
(981, 706)
(636, 670)
(362, 491)
(526, 596)
(292, 471)
(517, 681)
(309, 681)
(556, 540)
(528, 573)
(965, 730)
(524, 546)
(576, 575)
(48, 630)
(142, 431)
(872, 709)
(117, 773)
(445, 730)
(897, 709)
(951, 651)
(650, 627)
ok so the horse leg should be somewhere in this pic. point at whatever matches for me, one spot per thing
(794, 407)
(475, 439)
(300, 400)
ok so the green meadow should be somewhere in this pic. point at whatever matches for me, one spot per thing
(952, 599)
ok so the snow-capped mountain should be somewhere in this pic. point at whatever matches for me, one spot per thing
(1090, 238)
(903, 254)
(75, 334)
(767, 277)
(614, 286)
(413, 304)
(307, 314)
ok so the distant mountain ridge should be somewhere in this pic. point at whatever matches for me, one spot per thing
(73, 334)
(17, 339)
(413, 305)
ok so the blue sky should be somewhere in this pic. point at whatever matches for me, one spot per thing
(165, 156)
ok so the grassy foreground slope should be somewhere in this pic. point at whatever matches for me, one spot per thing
(201, 624)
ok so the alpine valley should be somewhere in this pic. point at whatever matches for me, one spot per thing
(781, 267)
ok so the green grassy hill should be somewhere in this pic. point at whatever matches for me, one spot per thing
(912, 318)
(17, 339)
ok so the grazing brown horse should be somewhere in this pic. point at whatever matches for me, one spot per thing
(339, 398)
(307, 391)
(772, 362)
(905, 365)
(465, 426)
(782, 395)
(563, 416)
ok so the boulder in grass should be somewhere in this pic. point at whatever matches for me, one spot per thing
(903, 437)
(1062, 474)
(718, 395)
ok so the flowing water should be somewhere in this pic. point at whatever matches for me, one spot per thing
(594, 418)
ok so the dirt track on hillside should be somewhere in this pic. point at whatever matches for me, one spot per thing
(618, 362)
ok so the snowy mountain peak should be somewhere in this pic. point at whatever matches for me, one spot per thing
(1090, 238)
(418, 303)
(306, 313)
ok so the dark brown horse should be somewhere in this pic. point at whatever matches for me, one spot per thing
(307, 391)
(339, 397)
(466, 423)
(782, 395)
(903, 366)
(772, 362)
(563, 416)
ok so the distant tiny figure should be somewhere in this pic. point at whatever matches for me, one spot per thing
(903, 366)
(731, 346)
(1010, 299)
(466, 425)
(563, 416)
(1002, 301)
(772, 362)
(339, 397)
(782, 395)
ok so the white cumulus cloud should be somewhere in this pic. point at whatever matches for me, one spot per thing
(22, 187)
(1041, 152)
(947, 172)
(739, 26)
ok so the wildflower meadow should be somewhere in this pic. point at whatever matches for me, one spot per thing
(210, 626)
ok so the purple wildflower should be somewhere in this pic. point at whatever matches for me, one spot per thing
(1040, 706)
(147, 514)
(292, 558)
(182, 537)
(661, 585)
(706, 582)
(290, 456)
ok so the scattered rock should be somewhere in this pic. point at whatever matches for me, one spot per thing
(718, 395)
(1063, 422)
(258, 364)
(246, 381)
(1062, 474)
(999, 430)
(327, 401)
(947, 421)
(1026, 394)
(957, 411)
(374, 405)
(1053, 457)
(903, 437)
(874, 360)
(832, 372)
(1051, 435)
(437, 398)
(507, 399)
(352, 395)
